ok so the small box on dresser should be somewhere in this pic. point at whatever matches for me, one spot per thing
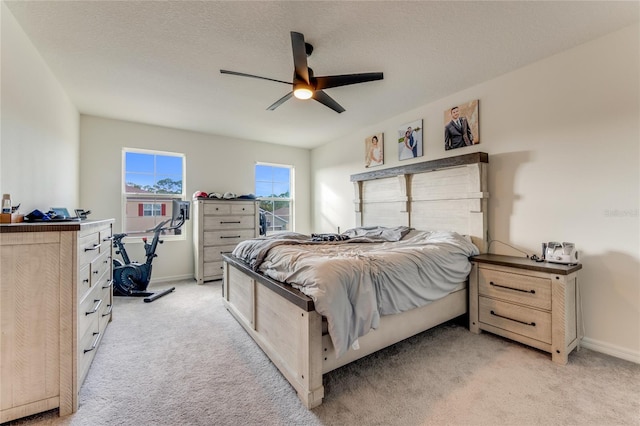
(219, 225)
(533, 303)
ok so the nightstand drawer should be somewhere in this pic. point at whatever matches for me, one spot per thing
(517, 288)
(517, 319)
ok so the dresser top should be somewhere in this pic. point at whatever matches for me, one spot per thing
(524, 263)
(74, 225)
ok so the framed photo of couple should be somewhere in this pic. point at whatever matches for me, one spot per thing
(410, 140)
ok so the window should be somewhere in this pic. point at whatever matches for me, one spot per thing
(274, 188)
(152, 180)
(152, 209)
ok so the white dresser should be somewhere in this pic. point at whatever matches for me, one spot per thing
(55, 304)
(218, 226)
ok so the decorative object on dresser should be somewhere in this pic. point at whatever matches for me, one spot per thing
(56, 301)
(530, 302)
(218, 225)
(446, 194)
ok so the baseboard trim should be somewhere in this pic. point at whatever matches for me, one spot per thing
(171, 279)
(609, 349)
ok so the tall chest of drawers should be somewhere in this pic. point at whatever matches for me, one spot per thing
(532, 303)
(55, 304)
(219, 225)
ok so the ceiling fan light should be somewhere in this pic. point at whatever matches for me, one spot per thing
(302, 92)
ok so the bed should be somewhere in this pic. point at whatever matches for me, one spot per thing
(439, 195)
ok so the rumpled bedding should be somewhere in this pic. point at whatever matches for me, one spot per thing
(376, 271)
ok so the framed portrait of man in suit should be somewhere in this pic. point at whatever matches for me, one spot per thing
(461, 125)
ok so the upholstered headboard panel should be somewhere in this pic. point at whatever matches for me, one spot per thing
(446, 194)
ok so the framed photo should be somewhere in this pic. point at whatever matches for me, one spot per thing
(374, 150)
(410, 140)
(461, 125)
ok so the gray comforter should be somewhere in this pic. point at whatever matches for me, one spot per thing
(377, 271)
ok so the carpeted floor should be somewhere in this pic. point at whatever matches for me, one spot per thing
(183, 360)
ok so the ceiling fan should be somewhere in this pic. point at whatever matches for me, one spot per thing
(305, 84)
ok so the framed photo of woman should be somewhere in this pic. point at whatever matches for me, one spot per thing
(374, 150)
(410, 140)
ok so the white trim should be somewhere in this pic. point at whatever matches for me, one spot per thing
(609, 349)
(170, 279)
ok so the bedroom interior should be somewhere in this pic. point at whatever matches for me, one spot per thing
(559, 122)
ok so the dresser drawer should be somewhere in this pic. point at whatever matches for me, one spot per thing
(232, 236)
(243, 208)
(88, 310)
(87, 347)
(517, 288)
(518, 319)
(107, 305)
(233, 208)
(88, 248)
(99, 266)
(105, 240)
(214, 253)
(216, 209)
(213, 269)
(228, 222)
(84, 281)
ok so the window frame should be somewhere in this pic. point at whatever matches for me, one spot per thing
(291, 198)
(151, 198)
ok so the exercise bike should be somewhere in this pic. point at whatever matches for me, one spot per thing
(132, 278)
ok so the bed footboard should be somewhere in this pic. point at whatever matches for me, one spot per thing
(287, 329)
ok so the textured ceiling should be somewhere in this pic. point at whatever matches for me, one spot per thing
(158, 62)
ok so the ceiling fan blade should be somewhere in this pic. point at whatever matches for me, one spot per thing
(300, 66)
(241, 74)
(280, 101)
(327, 100)
(346, 79)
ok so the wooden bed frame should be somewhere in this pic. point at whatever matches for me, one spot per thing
(450, 194)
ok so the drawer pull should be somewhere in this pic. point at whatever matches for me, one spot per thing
(226, 252)
(109, 284)
(222, 222)
(95, 343)
(232, 236)
(97, 302)
(512, 288)
(532, 324)
(106, 314)
(96, 272)
(109, 238)
(95, 247)
(86, 280)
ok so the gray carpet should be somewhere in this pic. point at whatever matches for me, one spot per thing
(183, 360)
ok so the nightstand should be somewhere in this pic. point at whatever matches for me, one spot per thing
(534, 303)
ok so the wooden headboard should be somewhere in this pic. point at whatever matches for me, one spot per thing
(445, 194)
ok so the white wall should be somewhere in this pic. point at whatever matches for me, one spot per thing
(213, 164)
(563, 141)
(39, 142)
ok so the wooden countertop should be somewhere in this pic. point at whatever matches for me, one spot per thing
(75, 225)
(524, 263)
